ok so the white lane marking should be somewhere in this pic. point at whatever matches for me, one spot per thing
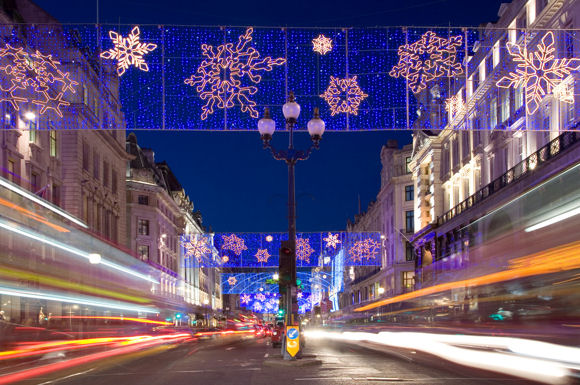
(230, 348)
(429, 380)
(65, 377)
(266, 355)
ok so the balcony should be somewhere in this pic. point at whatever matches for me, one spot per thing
(526, 167)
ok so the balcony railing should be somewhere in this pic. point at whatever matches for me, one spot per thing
(524, 168)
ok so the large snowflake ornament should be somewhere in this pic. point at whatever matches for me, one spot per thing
(196, 248)
(539, 72)
(232, 281)
(234, 243)
(262, 255)
(303, 249)
(332, 240)
(258, 307)
(343, 95)
(260, 297)
(30, 76)
(455, 105)
(426, 59)
(128, 51)
(366, 249)
(322, 44)
(218, 79)
(245, 299)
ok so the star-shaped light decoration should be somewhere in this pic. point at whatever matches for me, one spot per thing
(260, 297)
(223, 78)
(332, 240)
(322, 44)
(232, 280)
(196, 248)
(262, 255)
(366, 249)
(234, 243)
(539, 72)
(29, 77)
(299, 294)
(427, 59)
(245, 299)
(225, 259)
(258, 306)
(343, 95)
(303, 249)
(128, 51)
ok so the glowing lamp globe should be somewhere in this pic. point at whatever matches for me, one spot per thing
(266, 125)
(316, 126)
(291, 109)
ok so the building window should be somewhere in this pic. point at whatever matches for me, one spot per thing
(143, 200)
(56, 194)
(407, 165)
(34, 182)
(105, 174)
(114, 181)
(85, 95)
(493, 114)
(86, 155)
(32, 131)
(11, 170)
(409, 252)
(465, 144)
(505, 105)
(408, 279)
(96, 164)
(143, 227)
(409, 221)
(409, 192)
(53, 143)
(143, 252)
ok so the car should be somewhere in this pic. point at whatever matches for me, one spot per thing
(277, 334)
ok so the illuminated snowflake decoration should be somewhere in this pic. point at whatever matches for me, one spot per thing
(218, 79)
(232, 281)
(332, 240)
(322, 44)
(234, 243)
(343, 95)
(303, 249)
(257, 306)
(30, 76)
(245, 299)
(260, 297)
(299, 294)
(262, 255)
(366, 249)
(197, 249)
(128, 51)
(455, 105)
(539, 72)
(225, 259)
(427, 59)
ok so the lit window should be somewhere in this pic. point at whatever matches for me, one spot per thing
(143, 227)
(143, 252)
(53, 143)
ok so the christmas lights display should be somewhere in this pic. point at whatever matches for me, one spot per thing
(343, 95)
(30, 76)
(232, 281)
(262, 283)
(262, 255)
(233, 243)
(539, 72)
(269, 303)
(370, 79)
(322, 44)
(245, 299)
(367, 249)
(303, 249)
(427, 59)
(196, 247)
(219, 77)
(332, 240)
(128, 51)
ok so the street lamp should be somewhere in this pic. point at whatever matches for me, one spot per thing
(266, 127)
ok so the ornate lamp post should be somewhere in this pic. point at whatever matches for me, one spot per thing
(266, 127)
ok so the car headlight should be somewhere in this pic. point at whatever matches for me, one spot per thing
(274, 333)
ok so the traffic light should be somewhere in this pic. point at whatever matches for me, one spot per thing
(281, 312)
(285, 269)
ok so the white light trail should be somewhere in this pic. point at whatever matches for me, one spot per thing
(551, 221)
(26, 194)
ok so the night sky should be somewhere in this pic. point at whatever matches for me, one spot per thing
(236, 184)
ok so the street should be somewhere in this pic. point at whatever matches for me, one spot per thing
(254, 361)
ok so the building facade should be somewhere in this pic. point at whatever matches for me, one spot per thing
(495, 147)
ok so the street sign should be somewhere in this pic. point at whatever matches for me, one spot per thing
(292, 340)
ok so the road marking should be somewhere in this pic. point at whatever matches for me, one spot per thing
(230, 348)
(65, 377)
(266, 355)
(387, 379)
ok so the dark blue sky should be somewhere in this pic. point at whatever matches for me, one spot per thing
(236, 184)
